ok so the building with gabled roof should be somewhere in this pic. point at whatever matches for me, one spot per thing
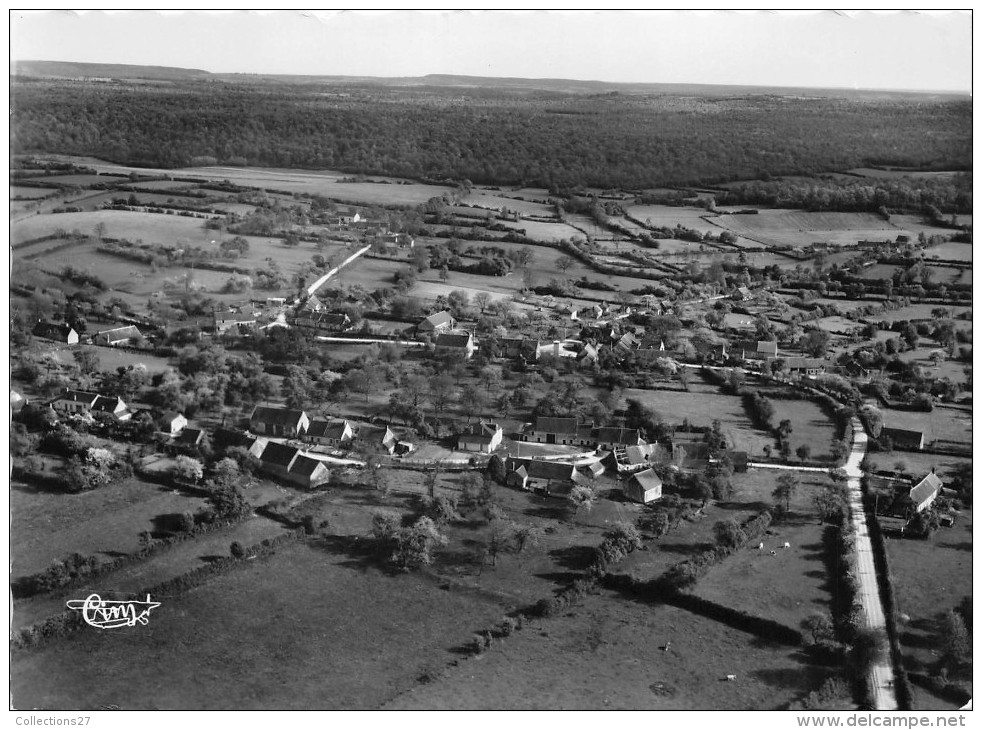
(766, 349)
(610, 437)
(330, 433)
(57, 331)
(551, 477)
(378, 436)
(74, 401)
(437, 322)
(923, 494)
(904, 438)
(117, 336)
(307, 472)
(461, 342)
(644, 487)
(286, 422)
(483, 436)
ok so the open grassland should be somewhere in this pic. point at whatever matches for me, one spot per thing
(499, 201)
(950, 251)
(111, 358)
(701, 406)
(918, 464)
(930, 577)
(29, 193)
(941, 424)
(148, 227)
(608, 654)
(47, 526)
(307, 628)
(83, 180)
(811, 426)
(793, 228)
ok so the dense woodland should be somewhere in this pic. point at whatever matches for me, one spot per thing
(489, 137)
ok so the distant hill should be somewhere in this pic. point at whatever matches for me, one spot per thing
(65, 69)
(71, 70)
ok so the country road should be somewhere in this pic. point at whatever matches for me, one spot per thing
(881, 674)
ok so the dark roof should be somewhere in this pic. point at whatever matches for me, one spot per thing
(236, 316)
(556, 425)
(318, 428)
(78, 396)
(610, 435)
(802, 363)
(226, 438)
(106, 403)
(190, 436)
(379, 434)
(276, 416)
(549, 470)
(451, 339)
(901, 433)
(481, 430)
(52, 330)
(278, 454)
(305, 466)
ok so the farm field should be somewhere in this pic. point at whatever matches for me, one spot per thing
(929, 579)
(111, 358)
(30, 193)
(915, 312)
(812, 427)
(801, 228)
(950, 251)
(332, 634)
(942, 424)
(499, 202)
(148, 227)
(701, 405)
(918, 464)
(51, 526)
(607, 654)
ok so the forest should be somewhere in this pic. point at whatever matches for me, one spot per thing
(489, 137)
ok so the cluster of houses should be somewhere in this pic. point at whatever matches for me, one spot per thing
(291, 423)
(67, 335)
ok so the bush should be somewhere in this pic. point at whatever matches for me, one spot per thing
(237, 550)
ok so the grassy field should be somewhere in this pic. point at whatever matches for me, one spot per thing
(308, 628)
(489, 199)
(950, 251)
(47, 526)
(701, 405)
(800, 228)
(148, 227)
(942, 424)
(811, 426)
(608, 654)
(930, 577)
(110, 358)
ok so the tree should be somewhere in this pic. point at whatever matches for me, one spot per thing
(563, 263)
(87, 360)
(226, 472)
(728, 534)
(819, 626)
(787, 487)
(526, 536)
(581, 498)
(830, 501)
(187, 469)
(229, 501)
(956, 642)
(414, 545)
(804, 451)
(816, 342)
(481, 299)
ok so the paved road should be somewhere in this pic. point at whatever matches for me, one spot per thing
(884, 695)
(787, 467)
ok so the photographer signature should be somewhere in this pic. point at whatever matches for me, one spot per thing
(113, 614)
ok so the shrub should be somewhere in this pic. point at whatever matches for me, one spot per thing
(237, 550)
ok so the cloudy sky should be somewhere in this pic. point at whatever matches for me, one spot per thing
(899, 50)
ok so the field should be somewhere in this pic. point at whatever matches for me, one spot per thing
(148, 227)
(701, 405)
(941, 424)
(800, 228)
(811, 426)
(111, 358)
(950, 251)
(488, 199)
(930, 577)
(51, 526)
(333, 635)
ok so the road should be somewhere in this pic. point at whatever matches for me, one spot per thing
(787, 467)
(884, 695)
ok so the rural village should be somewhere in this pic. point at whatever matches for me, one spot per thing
(687, 447)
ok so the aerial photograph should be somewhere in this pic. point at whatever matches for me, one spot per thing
(490, 360)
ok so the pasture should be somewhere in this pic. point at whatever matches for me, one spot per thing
(148, 227)
(607, 653)
(950, 251)
(310, 627)
(488, 199)
(47, 526)
(811, 426)
(941, 424)
(701, 406)
(24, 192)
(930, 577)
(793, 228)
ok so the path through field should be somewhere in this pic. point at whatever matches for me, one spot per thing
(884, 697)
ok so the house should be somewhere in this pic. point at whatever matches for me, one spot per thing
(274, 302)
(643, 487)
(111, 405)
(330, 433)
(459, 342)
(904, 439)
(74, 402)
(923, 494)
(225, 438)
(482, 436)
(348, 217)
(118, 336)
(170, 422)
(286, 422)
(743, 294)
(550, 477)
(277, 458)
(553, 431)
(379, 436)
(766, 349)
(588, 357)
(438, 322)
(612, 437)
(800, 366)
(57, 332)
(402, 240)
(307, 472)
(626, 342)
(190, 438)
(224, 321)
(311, 304)
(629, 459)
(557, 349)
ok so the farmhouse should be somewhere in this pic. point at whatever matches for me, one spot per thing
(224, 438)
(311, 304)
(923, 494)
(800, 366)
(330, 433)
(378, 436)
(58, 332)
(323, 321)
(224, 321)
(588, 357)
(548, 476)
(564, 431)
(628, 459)
(438, 322)
(743, 294)
(307, 472)
(483, 436)
(460, 342)
(612, 438)
(278, 421)
(113, 406)
(118, 336)
(190, 438)
(903, 438)
(767, 349)
(83, 402)
(643, 487)
(170, 422)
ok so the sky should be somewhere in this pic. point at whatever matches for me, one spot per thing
(897, 50)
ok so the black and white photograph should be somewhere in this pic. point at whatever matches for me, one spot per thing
(490, 360)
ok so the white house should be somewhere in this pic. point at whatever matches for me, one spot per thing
(643, 487)
(483, 436)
